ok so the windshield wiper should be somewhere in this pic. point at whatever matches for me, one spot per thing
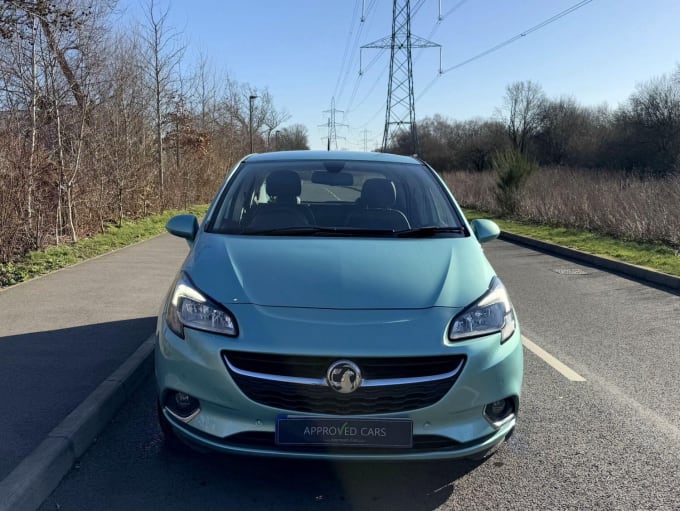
(429, 231)
(318, 231)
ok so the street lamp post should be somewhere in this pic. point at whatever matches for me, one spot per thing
(252, 98)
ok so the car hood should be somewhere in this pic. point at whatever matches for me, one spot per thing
(339, 273)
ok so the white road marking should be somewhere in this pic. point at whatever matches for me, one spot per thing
(564, 370)
(332, 193)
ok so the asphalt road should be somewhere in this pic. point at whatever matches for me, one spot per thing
(313, 192)
(609, 442)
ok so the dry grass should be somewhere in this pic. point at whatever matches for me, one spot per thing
(610, 203)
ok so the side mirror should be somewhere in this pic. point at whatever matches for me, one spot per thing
(184, 226)
(485, 230)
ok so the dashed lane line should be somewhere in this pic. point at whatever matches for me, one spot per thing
(563, 369)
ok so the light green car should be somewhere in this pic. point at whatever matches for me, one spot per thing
(337, 305)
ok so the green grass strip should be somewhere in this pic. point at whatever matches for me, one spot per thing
(53, 258)
(654, 256)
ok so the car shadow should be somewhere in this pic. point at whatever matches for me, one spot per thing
(295, 484)
(45, 375)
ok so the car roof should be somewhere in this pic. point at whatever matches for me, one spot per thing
(331, 155)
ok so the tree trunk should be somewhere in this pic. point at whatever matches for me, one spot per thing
(60, 55)
(34, 134)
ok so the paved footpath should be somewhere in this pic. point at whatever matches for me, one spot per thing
(63, 334)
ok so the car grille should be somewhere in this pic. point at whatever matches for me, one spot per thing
(396, 384)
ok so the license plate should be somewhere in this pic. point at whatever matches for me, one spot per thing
(334, 431)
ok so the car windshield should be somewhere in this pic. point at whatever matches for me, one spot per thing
(335, 197)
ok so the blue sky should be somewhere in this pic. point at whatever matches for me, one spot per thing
(297, 48)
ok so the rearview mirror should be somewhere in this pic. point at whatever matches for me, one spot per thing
(332, 178)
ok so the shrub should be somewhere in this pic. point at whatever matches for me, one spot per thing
(512, 171)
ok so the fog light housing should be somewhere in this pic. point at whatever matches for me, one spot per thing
(181, 405)
(499, 412)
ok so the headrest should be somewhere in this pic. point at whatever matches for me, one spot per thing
(283, 183)
(378, 193)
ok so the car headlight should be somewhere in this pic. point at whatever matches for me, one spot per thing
(188, 307)
(490, 314)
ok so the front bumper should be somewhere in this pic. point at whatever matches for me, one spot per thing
(453, 427)
(428, 448)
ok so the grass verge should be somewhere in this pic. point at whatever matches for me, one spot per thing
(53, 258)
(656, 257)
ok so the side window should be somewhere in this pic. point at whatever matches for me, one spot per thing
(402, 198)
(421, 201)
(232, 211)
(442, 216)
(261, 196)
(427, 204)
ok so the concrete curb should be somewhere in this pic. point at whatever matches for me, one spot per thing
(32, 481)
(626, 269)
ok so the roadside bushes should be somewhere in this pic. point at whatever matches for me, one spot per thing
(623, 205)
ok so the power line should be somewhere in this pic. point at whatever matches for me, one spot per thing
(377, 112)
(452, 10)
(428, 86)
(350, 62)
(417, 7)
(351, 98)
(444, 16)
(370, 90)
(497, 47)
(362, 70)
(438, 24)
(358, 82)
(519, 36)
(349, 108)
(353, 51)
(347, 46)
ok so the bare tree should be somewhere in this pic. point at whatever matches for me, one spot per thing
(56, 19)
(204, 93)
(521, 112)
(652, 120)
(266, 117)
(479, 141)
(215, 139)
(164, 53)
(272, 120)
(562, 124)
(123, 170)
(292, 138)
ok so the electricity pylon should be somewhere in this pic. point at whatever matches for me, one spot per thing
(332, 138)
(400, 115)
